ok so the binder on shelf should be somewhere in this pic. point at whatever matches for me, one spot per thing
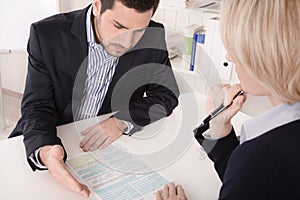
(188, 37)
(209, 57)
(218, 53)
(199, 38)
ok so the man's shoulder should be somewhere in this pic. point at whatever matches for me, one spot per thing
(155, 24)
(61, 19)
(58, 18)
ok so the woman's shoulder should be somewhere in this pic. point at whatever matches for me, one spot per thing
(280, 141)
(276, 150)
(271, 159)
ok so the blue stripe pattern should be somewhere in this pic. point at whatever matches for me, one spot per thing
(100, 71)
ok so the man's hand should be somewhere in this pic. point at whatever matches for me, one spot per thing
(221, 125)
(52, 158)
(102, 134)
(171, 192)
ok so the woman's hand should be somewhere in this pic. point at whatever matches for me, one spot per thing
(171, 192)
(221, 126)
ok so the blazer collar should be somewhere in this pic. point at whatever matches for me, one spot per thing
(78, 28)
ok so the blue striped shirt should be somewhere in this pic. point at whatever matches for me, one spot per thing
(100, 71)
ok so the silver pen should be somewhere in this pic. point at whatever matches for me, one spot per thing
(216, 112)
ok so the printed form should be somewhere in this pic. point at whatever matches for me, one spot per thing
(110, 184)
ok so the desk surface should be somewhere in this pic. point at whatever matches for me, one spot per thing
(192, 169)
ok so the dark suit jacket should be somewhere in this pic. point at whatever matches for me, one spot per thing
(266, 167)
(56, 76)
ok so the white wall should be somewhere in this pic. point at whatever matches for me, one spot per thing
(176, 19)
(68, 5)
(13, 66)
(14, 36)
(13, 70)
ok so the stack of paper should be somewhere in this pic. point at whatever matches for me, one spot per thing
(175, 3)
(206, 5)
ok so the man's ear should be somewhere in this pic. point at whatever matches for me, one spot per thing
(96, 7)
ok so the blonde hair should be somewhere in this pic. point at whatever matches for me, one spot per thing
(264, 36)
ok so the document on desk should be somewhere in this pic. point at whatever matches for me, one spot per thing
(109, 184)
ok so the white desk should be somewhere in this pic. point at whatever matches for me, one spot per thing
(194, 172)
(2, 115)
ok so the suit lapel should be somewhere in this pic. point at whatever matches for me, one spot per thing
(78, 29)
(80, 58)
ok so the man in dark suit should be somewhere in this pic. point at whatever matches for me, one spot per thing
(107, 57)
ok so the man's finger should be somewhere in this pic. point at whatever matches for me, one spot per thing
(106, 143)
(85, 191)
(93, 140)
(60, 173)
(87, 137)
(99, 142)
(69, 182)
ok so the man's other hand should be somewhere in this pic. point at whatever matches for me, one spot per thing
(52, 158)
(102, 134)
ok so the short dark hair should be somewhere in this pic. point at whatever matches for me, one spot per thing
(139, 5)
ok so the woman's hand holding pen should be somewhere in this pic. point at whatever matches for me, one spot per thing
(221, 126)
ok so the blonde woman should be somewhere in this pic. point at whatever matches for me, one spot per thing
(262, 38)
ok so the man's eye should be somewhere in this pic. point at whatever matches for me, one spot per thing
(117, 26)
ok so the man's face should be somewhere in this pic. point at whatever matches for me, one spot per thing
(120, 28)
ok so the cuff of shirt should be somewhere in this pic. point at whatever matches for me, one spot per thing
(129, 127)
(34, 157)
(207, 136)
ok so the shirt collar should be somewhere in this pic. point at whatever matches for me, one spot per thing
(91, 37)
(89, 27)
(273, 118)
(90, 32)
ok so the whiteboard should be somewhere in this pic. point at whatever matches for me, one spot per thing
(16, 16)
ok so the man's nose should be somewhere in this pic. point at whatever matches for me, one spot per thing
(127, 39)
